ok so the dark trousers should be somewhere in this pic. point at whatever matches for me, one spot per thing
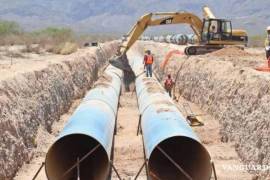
(148, 70)
(169, 91)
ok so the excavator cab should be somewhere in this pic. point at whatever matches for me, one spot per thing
(216, 30)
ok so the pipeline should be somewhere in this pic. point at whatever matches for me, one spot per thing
(172, 149)
(180, 39)
(88, 136)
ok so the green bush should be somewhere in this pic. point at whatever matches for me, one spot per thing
(9, 27)
(51, 39)
(54, 35)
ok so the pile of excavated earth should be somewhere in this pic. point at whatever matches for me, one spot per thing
(231, 98)
(226, 85)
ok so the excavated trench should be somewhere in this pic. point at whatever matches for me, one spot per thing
(235, 95)
(39, 97)
(227, 87)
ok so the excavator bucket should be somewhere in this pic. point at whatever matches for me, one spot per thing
(120, 62)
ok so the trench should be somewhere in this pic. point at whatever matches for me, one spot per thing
(93, 120)
(196, 80)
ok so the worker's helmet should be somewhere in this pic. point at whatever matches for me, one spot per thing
(268, 28)
(148, 51)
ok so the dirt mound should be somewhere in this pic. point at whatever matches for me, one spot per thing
(239, 98)
(231, 51)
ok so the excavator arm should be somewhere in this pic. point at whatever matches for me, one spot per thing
(157, 19)
(154, 19)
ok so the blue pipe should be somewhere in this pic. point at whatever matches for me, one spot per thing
(163, 126)
(91, 125)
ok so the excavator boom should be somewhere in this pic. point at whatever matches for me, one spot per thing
(157, 19)
(212, 33)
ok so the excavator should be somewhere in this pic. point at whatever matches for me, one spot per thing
(213, 33)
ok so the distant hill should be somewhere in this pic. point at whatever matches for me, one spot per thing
(117, 16)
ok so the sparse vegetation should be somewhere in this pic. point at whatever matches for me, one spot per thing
(52, 39)
(65, 48)
(56, 40)
(9, 27)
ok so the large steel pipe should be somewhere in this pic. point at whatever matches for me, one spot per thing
(88, 135)
(191, 38)
(172, 149)
(168, 38)
(161, 39)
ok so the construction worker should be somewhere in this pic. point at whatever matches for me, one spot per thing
(148, 61)
(212, 32)
(168, 84)
(267, 43)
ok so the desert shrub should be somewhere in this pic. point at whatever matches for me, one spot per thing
(10, 33)
(65, 48)
(56, 40)
(51, 39)
(68, 48)
(52, 35)
(32, 48)
(9, 27)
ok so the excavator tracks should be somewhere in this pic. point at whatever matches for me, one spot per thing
(201, 49)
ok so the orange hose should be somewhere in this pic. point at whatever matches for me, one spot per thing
(264, 68)
(168, 56)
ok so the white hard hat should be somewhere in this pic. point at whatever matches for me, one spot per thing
(268, 28)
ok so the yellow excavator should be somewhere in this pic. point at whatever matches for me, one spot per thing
(213, 33)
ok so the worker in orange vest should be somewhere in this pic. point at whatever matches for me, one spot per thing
(168, 84)
(148, 61)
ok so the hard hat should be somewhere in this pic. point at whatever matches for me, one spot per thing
(147, 51)
(268, 28)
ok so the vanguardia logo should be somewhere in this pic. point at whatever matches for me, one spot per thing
(249, 167)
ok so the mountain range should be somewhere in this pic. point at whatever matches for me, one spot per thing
(117, 16)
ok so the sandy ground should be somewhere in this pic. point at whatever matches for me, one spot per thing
(223, 154)
(11, 66)
(128, 150)
(12, 59)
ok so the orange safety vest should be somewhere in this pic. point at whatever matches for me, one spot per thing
(149, 59)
